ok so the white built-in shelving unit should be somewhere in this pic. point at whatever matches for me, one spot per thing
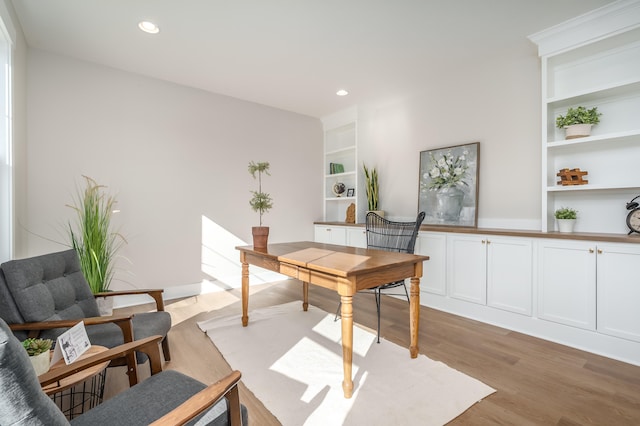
(340, 147)
(593, 61)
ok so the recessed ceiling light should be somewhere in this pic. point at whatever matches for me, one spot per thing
(148, 27)
(342, 92)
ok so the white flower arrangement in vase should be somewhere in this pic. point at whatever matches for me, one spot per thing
(447, 174)
(448, 171)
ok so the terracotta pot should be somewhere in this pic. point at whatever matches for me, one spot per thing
(260, 237)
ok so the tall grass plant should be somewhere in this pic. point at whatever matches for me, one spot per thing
(91, 234)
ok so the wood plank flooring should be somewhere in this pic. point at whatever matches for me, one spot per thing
(537, 382)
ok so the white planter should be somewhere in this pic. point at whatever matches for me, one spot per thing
(566, 225)
(105, 306)
(577, 131)
(378, 212)
(41, 363)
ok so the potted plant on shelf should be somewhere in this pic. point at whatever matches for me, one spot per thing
(261, 202)
(578, 121)
(372, 190)
(94, 239)
(566, 218)
(38, 350)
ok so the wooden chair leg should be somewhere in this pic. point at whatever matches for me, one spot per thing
(378, 303)
(165, 348)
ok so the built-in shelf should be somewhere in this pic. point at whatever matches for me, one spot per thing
(592, 61)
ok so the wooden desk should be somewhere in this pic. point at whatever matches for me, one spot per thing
(346, 270)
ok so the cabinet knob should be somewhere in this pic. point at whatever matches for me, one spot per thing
(328, 229)
(488, 242)
(484, 242)
(599, 251)
(590, 250)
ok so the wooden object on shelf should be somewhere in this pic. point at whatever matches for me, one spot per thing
(572, 177)
(351, 214)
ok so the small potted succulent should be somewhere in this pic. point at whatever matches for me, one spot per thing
(566, 218)
(578, 121)
(38, 350)
(261, 202)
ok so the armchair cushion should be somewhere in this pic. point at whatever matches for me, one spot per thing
(141, 405)
(22, 400)
(50, 287)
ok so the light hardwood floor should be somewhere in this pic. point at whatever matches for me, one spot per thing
(537, 382)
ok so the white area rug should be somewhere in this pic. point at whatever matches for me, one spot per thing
(292, 361)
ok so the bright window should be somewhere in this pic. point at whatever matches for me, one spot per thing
(6, 167)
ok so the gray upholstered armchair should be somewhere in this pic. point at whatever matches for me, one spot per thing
(44, 295)
(165, 398)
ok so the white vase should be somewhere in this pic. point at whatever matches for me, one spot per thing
(41, 362)
(566, 225)
(577, 131)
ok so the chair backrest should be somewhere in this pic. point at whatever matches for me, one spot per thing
(22, 400)
(383, 234)
(46, 288)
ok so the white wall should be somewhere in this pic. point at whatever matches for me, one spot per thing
(495, 102)
(173, 155)
(176, 154)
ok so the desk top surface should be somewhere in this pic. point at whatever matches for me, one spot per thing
(334, 259)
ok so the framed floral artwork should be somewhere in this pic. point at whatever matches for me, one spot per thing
(448, 185)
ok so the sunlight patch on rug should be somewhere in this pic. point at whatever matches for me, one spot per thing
(292, 361)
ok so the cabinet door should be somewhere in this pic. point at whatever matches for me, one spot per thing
(433, 276)
(330, 235)
(567, 282)
(466, 268)
(619, 291)
(357, 237)
(509, 274)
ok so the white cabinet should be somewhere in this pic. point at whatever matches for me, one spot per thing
(509, 274)
(592, 61)
(618, 282)
(330, 234)
(357, 237)
(590, 285)
(433, 278)
(491, 270)
(340, 164)
(467, 267)
(567, 282)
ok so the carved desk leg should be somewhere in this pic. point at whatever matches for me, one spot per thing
(305, 296)
(414, 315)
(245, 291)
(347, 343)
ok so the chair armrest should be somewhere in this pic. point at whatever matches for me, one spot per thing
(122, 321)
(155, 293)
(198, 403)
(147, 345)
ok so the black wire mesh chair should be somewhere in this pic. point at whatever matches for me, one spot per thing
(383, 234)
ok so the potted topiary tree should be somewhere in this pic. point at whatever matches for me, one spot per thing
(566, 218)
(94, 239)
(372, 190)
(38, 350)
(261, 202)
(578, 121)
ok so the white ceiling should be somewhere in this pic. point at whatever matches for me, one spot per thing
(291, 54)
